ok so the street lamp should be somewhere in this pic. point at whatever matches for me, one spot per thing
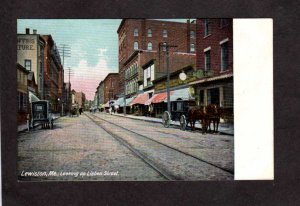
(182, 76)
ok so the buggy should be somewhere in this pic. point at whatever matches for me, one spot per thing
(179, 112)
(41, 113)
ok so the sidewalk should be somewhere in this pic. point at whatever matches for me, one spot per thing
(23, 127)
(223, 127)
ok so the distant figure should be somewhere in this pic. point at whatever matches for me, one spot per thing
(80, 110)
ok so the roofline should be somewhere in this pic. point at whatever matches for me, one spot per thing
(155, 20)
(109, 74)
(22, 68)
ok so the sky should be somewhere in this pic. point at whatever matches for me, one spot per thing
(93, 44)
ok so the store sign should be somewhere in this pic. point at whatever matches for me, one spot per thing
(175, 82)
(25, 44)
(201, 73)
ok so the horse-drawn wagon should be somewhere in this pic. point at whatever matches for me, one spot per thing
(179, 112)
(40, 111)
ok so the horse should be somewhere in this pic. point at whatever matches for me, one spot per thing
(214, 114)
(198, 113)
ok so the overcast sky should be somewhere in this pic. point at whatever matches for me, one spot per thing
(93, 43)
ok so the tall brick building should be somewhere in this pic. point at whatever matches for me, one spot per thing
(214, 49)
(142, 51)
(110, 87)
(53, 73)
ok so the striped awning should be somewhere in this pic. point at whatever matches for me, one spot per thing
(140, 99)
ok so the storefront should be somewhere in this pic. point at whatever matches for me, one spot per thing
(216, 90)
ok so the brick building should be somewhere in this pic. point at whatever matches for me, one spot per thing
(79, 99)
(110, 87)
(214, 49)
(142, 51)
(53, 74)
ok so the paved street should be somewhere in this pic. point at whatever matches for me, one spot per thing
(107, 147)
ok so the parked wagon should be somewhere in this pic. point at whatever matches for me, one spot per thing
(40, 111)
(179, 112)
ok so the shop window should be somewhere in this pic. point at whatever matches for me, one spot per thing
(213, 96)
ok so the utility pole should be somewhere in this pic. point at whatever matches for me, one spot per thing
(68, 90)
(166, 47)
(65, 50)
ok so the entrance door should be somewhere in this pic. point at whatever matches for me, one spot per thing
(213, 96)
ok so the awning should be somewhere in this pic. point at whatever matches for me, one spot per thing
(140, 99)
(119, 101)
(157, 98)
(180, 94)
(128, 101)
(32, 97)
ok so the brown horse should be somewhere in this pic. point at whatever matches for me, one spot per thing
(214, 114)
(197, 114)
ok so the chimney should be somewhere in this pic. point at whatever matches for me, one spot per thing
(27, 31)
(34, 31)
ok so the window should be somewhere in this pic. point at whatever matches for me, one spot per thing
(207, 60)
(149, 33)
(224, 56)
(149, 47)
(136, 32)
(224, 22)
(165, 33)
(164, 46)
(192, 34)
(136, 45)
(206, 27)
(192, 49)
(28, 64)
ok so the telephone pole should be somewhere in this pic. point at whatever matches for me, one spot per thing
(166, 47)
(65, 50)
(70, 72)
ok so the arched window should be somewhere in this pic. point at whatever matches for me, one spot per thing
(136, 45)
(136, 32)
(165, 33)
(149, 33)
(192, 49)
(149, 47)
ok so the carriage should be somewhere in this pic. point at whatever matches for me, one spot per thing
(40, 111)
(179, 112)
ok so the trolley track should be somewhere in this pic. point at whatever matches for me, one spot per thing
(166, 145)
(138, 154)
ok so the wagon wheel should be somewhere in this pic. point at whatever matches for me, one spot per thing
(183, 122)
(166, 119)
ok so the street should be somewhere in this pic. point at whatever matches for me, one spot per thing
(102, 147)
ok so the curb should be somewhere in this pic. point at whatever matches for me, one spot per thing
(148, 120)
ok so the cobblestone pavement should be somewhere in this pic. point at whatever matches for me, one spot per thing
(214, 148)
(78, 149)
